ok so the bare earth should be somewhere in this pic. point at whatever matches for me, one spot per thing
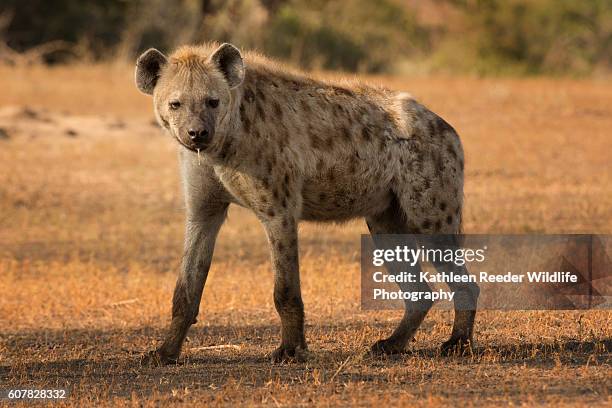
(91, 238)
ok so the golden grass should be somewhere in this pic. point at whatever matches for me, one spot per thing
(90, 240)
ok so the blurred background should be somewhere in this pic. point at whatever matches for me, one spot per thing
(515, 37)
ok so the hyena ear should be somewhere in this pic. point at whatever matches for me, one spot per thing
(148, 67)
(229, 61)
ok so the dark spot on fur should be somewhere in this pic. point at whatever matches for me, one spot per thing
(270, 212)
(329, 143)
(386, 116)
(331, 175)
(420, 154)
(439, 164)
(346, 134)
(317, 141)
(442, 126)
(449, 219)
(438, 225)
(451, 150)
(246, 123)
(280, 246)
(165, 122)
(442, 206)
(260, 95)
(322, 197)
(432, 128)
(225, 150)
(278, 110)
(338, 109)
(342, 91)
(366, 133)
(249, 96)
(418, 132)
(417, 193)
(426, 224)
(260, 111)
(282, 297)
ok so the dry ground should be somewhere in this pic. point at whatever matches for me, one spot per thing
(90, 240)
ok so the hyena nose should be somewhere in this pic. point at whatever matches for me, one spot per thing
(197, 135)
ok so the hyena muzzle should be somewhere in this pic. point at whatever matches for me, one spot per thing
(290, 147)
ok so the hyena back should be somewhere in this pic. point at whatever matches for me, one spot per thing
(292, 148)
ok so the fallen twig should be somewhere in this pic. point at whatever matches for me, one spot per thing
(217, 347)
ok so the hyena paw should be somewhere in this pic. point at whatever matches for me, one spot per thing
(155, 358)
(387, 347)
(457, 346)
(287, 354)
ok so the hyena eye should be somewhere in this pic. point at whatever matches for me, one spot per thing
(174, 105)
(212, 102)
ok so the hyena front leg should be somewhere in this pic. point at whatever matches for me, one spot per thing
(282, 236)
(200, 235)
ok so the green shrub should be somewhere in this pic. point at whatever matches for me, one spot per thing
(539, 36)
(351, 35)
(483, 36)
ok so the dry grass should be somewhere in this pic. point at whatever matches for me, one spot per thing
(90, 239)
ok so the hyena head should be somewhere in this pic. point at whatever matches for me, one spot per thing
(191, 90)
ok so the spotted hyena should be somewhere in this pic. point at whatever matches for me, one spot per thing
(290, 147)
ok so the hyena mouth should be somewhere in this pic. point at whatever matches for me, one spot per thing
(195, 149)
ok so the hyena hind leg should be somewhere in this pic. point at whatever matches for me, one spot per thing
(465, 303)
(393, 221)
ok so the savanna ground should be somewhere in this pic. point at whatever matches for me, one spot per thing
(91, 238)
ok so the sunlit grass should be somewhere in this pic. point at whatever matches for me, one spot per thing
(91, 238)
